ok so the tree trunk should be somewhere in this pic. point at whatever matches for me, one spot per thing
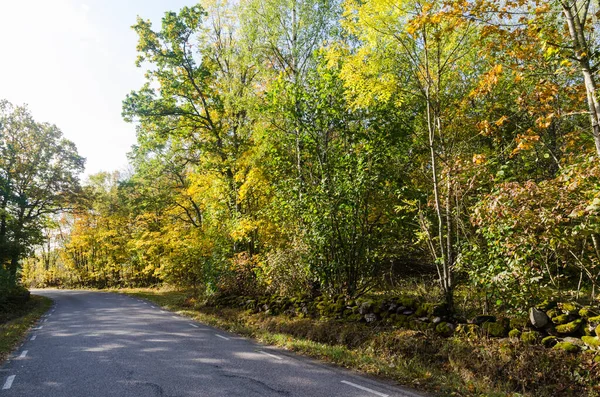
(582, 51)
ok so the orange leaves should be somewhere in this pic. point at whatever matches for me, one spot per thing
(479, 159)
(525, 142)
(487, 83)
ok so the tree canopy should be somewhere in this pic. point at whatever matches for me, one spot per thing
(335, 147)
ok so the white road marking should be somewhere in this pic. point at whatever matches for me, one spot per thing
(44, 320)
(175, 317)
(222, 337)
(365, 389)
(193, 325)
(270, 355)
(40, 327)
(33, 337)
(23, 353)
(9, 382)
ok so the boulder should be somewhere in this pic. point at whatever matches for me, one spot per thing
(538, 318)
(436, 320)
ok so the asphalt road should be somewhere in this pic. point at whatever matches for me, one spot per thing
(104, 344)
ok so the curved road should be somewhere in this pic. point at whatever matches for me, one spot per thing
(104, 344)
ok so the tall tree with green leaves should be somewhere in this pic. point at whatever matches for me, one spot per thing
(39, 172)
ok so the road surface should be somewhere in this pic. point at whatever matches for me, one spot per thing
(95, 344)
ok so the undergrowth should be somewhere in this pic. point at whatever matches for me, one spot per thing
(421, 360)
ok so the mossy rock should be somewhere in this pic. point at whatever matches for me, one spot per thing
(594, 320)
(530, 337)
(587, 312)
(423, 309)
(561, 319)
(569, 307)
(444, 329)
(553, 312)
(567, 346)
(569, 328)
(591, 341)
(547, 305)
(549, 341)
(514, 333)
(497, 330)
(408, 302)
(519, 323)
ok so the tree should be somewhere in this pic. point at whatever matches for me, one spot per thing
(38, 177)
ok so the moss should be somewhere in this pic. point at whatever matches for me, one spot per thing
(561, 319)
(424, 309)
(553, 312)
(587, 312)
(407, 302)
(549, 341)
(518, 323)
(594, 320)
(444, 329)
(494, 329)
(569, 328)
(569, 307)
(567, 346)
(547, 305)
(530, 337)
(514, 333)
(591, 341)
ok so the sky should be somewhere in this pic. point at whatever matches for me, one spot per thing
(73, 62)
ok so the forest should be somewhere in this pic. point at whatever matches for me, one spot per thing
(333, 149)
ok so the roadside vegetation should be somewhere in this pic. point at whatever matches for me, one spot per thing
(473, 365)
(420, 175)
(16, 318)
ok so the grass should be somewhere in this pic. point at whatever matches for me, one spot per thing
(13, 331)
(419, 360)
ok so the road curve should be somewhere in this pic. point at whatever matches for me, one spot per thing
(105, 344)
